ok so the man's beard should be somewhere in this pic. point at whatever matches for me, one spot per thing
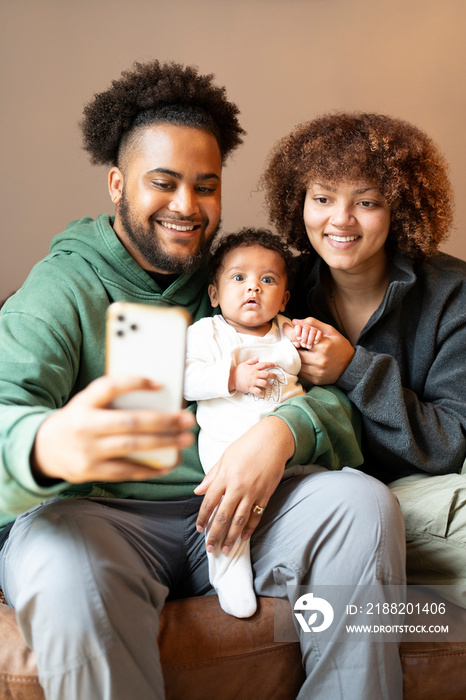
(145, 239)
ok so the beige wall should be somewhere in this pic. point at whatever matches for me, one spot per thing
(283, 61)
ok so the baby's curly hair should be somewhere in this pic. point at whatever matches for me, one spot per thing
(244, 238)
(154, 93)
(402, 161)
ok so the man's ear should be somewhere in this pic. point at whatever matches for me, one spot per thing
(286, 297)
(213, 295)
(115, 184)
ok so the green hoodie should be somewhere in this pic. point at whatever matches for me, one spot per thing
(52, 344)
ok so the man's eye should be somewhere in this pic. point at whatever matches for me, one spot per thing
(205, 190)
(162, 185)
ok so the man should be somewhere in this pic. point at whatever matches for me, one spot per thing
(101, 543)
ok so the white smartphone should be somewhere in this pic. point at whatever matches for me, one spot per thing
(148, 341)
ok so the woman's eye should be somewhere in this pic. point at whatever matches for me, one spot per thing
(368, 205)
(321, 200)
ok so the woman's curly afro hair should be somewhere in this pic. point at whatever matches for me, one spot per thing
(402, 161)
(154, 93)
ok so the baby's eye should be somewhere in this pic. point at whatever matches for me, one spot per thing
(268, 280)
(238, 278)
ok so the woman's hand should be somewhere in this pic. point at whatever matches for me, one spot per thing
(87, 441)
(247, 475)
(326, 361)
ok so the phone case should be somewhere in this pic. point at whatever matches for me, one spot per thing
(149, 341)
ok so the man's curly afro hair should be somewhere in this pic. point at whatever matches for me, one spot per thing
(154, 93)
(400, 159)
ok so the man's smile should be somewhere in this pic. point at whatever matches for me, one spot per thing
(182, 228)
(179, 230)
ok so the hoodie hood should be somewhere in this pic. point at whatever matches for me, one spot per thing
(96, 243)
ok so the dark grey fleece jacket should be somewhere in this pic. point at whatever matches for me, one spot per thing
(408, 376)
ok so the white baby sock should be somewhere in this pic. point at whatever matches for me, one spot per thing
(231, 576)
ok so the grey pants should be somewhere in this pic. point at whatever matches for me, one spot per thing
(89, 577)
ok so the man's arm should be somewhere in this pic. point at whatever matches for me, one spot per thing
(247, 474)
(319, 428)
(47, 439)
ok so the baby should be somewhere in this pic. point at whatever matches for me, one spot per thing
(240, 367)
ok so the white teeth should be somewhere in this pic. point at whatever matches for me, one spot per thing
(177, 228)
(342, 239)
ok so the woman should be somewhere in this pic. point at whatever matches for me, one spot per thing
(366, 197)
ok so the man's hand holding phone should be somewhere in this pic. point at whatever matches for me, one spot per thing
(128, 425)
(88, 441)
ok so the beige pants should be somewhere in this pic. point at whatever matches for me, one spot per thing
(434, 508)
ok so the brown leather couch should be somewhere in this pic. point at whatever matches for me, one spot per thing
(207, 654)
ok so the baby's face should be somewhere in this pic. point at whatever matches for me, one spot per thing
(251, 288)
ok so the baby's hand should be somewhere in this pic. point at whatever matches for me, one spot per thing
(305, 336)
(251, 377)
